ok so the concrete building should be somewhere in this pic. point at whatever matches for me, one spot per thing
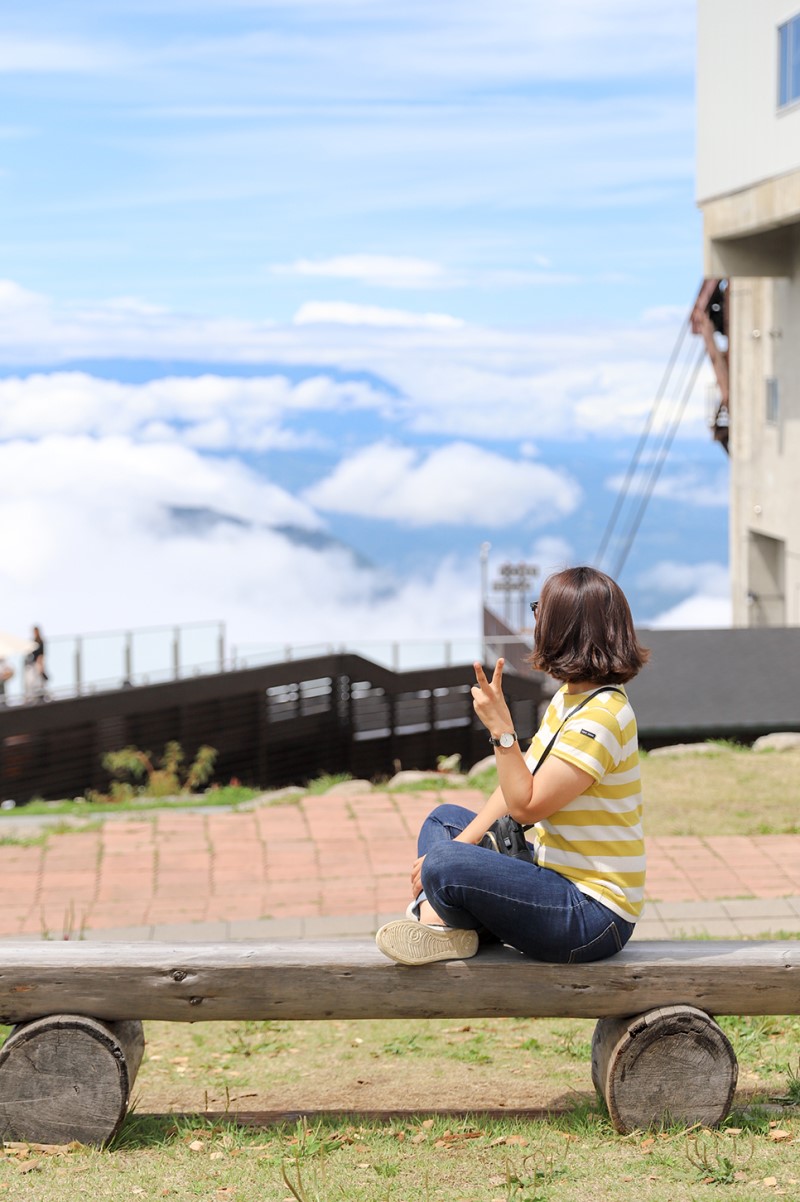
(748, 188)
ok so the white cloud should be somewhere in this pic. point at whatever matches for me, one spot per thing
(457, 484)
(422, 47)
(684, 485)
(596, 380)
(669, 575)
(343, 313)
(213, 412)
(384, 271)
(32, 55)
(708, 603)
(697, 612)
(110, 475)
(89, 545)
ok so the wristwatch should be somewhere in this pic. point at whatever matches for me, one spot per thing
(507, 739)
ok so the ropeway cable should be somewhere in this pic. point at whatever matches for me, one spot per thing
(643, 437)
(622, 495)
(658, 463)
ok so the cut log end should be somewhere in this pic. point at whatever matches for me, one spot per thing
(670, 1065)
(66, 1078)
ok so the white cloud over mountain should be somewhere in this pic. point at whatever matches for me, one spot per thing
(419, 429)
(459, 483)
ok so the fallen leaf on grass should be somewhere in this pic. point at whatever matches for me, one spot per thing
(30, 1166)
(197, 1145)
(769, 1181)
(779, 1136)
(453, 1137)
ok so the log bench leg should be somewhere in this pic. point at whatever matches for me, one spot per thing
(670, 1065)
(66, 1077)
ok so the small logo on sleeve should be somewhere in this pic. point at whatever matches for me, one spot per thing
(588, 733)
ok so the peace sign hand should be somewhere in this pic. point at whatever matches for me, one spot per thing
(489, 702)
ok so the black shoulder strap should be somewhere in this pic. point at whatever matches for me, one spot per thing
(605, 688)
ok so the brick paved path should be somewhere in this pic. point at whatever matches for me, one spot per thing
(335, 863)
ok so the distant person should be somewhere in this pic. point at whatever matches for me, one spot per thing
(6, 672)
(35, 670)
(579, 896)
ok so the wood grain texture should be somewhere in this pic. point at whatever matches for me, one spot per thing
(67, 1077)
(351, 979)
(670, 1065)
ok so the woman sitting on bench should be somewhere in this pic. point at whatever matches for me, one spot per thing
(580, 896)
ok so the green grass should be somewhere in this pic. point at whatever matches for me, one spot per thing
(731, 790)
(171, 1147)
(226, 795)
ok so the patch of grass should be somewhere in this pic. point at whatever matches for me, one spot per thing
(486, 781)
(741, 792)
(438, 1159)
(325, 782)
(437, 781)
(327, 1072)
(41, 837)
(78, 807)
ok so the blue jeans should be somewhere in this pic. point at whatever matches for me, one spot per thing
(537, 910)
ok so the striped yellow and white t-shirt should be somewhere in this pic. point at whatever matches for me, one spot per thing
(597, 839)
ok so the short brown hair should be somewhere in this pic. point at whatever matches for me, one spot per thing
(585, 631)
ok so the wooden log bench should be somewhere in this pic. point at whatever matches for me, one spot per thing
(68, 1066)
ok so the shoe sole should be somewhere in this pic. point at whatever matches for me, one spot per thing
(410, 942)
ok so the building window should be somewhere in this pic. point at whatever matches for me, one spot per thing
(772, 412)
(789, 62)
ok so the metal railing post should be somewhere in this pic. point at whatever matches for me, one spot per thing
(128, 668)
(176, 653)
(78, 666)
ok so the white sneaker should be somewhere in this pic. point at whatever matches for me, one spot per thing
(409, 941)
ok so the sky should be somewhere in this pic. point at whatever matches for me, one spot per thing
(303, 303)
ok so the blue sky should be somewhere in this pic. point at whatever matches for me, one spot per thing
(357, 285)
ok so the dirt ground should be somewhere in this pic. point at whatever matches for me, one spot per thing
(266, 1071)
(364, 1067)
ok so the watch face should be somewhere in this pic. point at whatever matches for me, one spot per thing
(507, 740)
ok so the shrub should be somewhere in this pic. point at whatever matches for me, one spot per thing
(157, 778)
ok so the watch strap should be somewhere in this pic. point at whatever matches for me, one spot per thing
(499, 741)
